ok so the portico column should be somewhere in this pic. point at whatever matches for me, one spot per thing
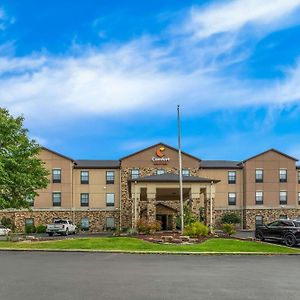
(195, 200)
(210, 206)
(136, 205)
(151, 203)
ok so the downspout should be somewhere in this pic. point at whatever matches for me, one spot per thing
(72, 193)
(211, 208)
(120, 199)
(244, 198)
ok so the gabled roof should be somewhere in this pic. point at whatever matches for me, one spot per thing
(156, 145)
(97, 164)
(274, 150)
(162, 205)
(56, 153)
(219, 164)
(169, 177)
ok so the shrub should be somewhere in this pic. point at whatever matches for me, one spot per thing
(41, 229)
(228, 228)
(147, 227)
(30, 229)
(7, 222)
(231, 218)
(196, 229)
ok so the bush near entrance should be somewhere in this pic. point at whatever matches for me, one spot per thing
(196, 229)
(228, 228)
(147, 227)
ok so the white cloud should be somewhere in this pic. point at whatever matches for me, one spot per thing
(5, 20)
(142, 77)
(231, 16)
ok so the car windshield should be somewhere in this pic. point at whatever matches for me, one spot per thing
(297, 223)
(60, 222)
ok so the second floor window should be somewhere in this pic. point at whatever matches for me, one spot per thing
(84, 199)
(56, 198)
(232, 198)
(231, 177)
(186, 172)
(298, 176)
(299, 198)
(84, 177)
(110, 199)
(283, 197)
(56, 175)
(283, 175)
(160, 171)
(259, 175)
(135, 173)
(259, 198)
(110, 177)
(30, 200)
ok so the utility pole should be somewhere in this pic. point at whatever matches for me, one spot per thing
(180, 171)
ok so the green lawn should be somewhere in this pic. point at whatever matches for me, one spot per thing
(133, 244)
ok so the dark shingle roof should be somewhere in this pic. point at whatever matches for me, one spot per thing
(168, 177)
(97, 164)
(219, 164)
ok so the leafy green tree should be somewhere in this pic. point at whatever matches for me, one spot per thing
(22, 173)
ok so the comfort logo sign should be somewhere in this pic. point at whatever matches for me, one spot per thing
(160, 158)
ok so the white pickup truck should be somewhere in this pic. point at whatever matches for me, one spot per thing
(62, 227)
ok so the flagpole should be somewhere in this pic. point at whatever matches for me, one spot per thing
(180, 171)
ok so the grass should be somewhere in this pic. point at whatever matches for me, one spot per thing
(127, 244)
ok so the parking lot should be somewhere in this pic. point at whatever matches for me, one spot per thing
(80, 276)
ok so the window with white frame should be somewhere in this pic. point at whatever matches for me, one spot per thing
(231, 177)
(135, 173)
(110, 199)
(232, 198)
(84, 177)
(110, 223)
(84, 199)
(56, 175)
(85, 224)
(283, 197)
(259, 197)
(110, 177)
(56, 198)
(298, 176)
(259, 175)
(283, 175)
(186, 172)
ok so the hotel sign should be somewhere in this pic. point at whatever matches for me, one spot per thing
(160, 158)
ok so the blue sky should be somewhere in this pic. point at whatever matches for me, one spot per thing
(100, 79)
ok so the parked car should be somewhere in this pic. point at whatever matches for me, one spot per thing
(4, 230)
(62, 227)
(286, 231)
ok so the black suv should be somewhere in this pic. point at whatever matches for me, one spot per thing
(287, 231)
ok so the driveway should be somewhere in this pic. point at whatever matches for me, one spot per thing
(80, 276)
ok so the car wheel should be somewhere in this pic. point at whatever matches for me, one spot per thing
(50, 233)
(260, 236)
(290, 240)
(67, 232)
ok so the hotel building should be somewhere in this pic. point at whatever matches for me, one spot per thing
(104, 194)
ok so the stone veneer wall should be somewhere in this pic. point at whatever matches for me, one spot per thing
(268, 215)
(97, 219)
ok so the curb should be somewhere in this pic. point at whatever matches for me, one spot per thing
(142, 252)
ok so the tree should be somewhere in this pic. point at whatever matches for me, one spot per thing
(22, 173)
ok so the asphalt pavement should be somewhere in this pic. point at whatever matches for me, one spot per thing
(82, 276)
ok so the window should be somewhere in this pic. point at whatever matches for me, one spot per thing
(283, 197)
(259, 198)
(135, 173)
(84, 199)
(231, 198)
(231, 177)
(110, 177)
(85, 224)
(299, 198)
(298, 176)
(259, 175)
(56, 175)
(29, 222)
(30, 200)
(110, 223)
(56, 198)
(110, 199)
(283, 217)
(84, 177)
(283, 175)
(259, 220)
(185, 172)
(160, 171)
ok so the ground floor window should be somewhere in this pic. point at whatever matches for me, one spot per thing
(85, 224)
(110, 223)
(259, 220)
(283, 217)
(29, 222)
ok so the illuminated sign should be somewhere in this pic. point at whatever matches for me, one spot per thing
(160, 158)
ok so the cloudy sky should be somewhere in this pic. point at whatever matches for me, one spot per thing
(101, 78)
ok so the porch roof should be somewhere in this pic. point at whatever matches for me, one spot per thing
(169, 177)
